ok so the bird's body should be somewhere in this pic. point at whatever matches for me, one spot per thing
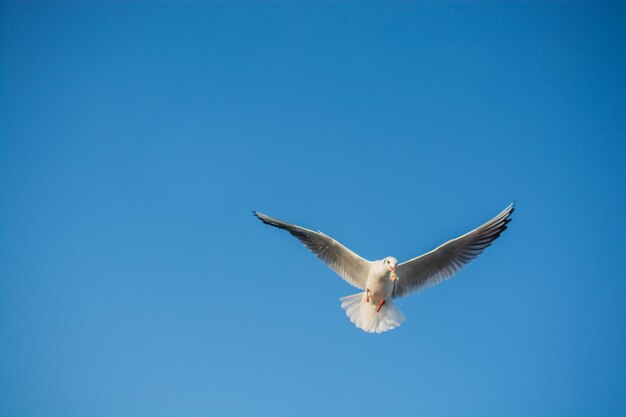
(373, 309)
(379, 283)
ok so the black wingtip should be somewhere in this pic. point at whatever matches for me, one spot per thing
(258, 216)
(511, 211)
(263, 218)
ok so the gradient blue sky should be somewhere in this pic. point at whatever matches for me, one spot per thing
(136, 139)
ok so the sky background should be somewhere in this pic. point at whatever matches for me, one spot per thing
(136, 139)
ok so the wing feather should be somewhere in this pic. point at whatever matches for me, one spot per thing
(347, 264)
(443, 262)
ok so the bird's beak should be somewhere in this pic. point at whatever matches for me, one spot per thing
(393, 276)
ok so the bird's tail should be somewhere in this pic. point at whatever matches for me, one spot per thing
(365, 317)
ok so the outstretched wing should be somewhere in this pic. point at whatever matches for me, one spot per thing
(347, 264)
(445, 261)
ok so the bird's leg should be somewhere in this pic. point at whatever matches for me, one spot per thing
(367, 295)
(380, 305)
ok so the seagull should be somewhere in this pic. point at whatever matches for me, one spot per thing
(373, 310)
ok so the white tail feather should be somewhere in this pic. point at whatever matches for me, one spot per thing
(365, 317)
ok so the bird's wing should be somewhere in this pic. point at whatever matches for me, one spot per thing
(340, 259)
(446, 260)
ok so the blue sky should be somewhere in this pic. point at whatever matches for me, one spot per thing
(135, 140)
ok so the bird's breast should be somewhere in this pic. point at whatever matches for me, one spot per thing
(380, 285)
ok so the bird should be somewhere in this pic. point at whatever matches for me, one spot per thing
(384, 280)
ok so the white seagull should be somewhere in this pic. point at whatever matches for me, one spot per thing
(381, 281)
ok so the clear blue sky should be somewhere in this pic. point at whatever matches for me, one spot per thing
(135, 140)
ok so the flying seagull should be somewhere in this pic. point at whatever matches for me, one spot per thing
(381, 281)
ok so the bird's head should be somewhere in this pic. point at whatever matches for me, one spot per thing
(391, 263)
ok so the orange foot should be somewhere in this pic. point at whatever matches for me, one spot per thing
(367, 295)
(380, 305)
